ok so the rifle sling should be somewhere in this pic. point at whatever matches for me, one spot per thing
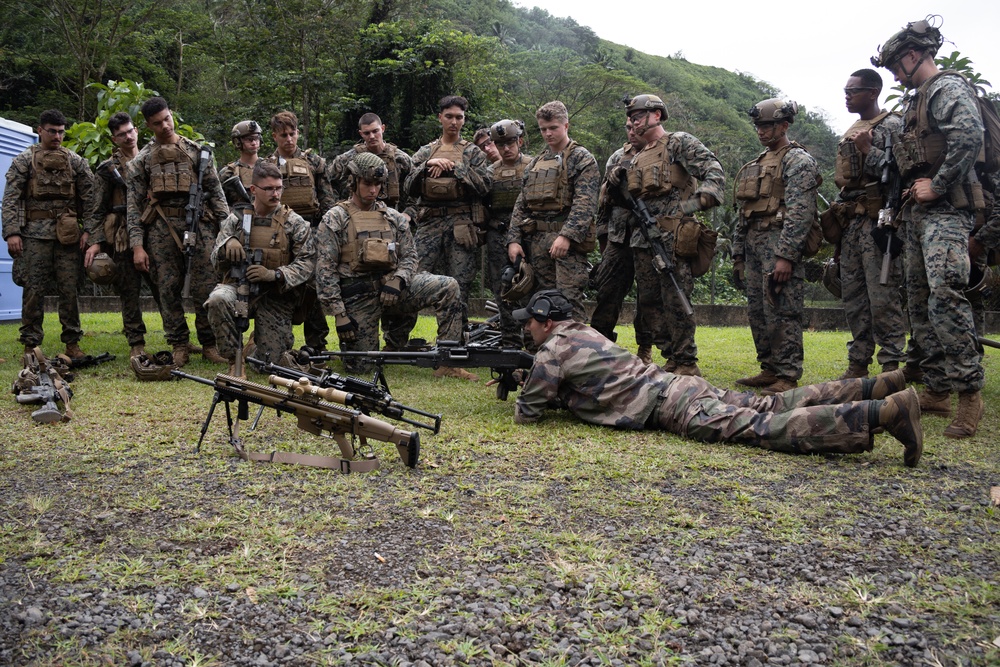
(344, 465)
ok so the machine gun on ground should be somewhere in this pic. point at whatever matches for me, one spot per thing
(39, 382)
(316, 414)
(192, 217)
(90, 360)
(485, 334)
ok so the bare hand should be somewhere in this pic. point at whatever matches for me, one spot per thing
(863, 141)
(559, 247)
(514, 250)
(140, 259)
(14, 246)
(782, 270)
(83, 240)
(438, 166)
(922, 191)
(88, 257)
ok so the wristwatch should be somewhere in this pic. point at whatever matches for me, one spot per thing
(279, 277)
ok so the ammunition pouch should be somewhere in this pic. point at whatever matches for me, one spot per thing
(707, 240)
(469, 235)
(51, 175)
(67, 228)
(171, 170)
(442, 188)
(588, 243)
(830, 224)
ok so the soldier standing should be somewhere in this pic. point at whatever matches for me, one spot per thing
(776, 202)
(936, 153)
(158, 183)
(553, 224)
(397, 163)
(54, 186)
(366, 265)
(109, 232)
(507, 174)
(287, 259)
(308, 193)
(483, 139)
(676, 175)
(246, 136)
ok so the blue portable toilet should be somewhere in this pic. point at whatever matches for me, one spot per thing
(14, 138)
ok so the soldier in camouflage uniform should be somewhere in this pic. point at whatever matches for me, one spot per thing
(397, 163)
(288, 254)
(601, 383)
(776, 202)
(450, 179)
(484, 141)
(874, 311)
(936, 153)
(676, 175)
(507, 174)
(158, 182)
(366, 264)
(49, 189)
(983, 249)
(308, 193)
(246, 136)
(553, 224)
(109, 232)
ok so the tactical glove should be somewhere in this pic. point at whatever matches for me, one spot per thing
(347, 328)
(740, 275)
(234, 251)
(616, 175)
(258, 273)
(391, 291)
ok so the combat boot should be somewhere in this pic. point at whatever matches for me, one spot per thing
(670, 365)
(137, 351)
(73, 351)
(688, 369)
(935, 403)
(645, 354)
(180, 354)
(854, 371)
(913, 373)
(778, 386)
(900, 416)
(970, 411)
(882, 385)
(890, 366)
(460, 373)
(211, 353)
(762, 379)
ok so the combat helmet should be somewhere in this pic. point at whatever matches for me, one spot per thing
(644, 103)
(773, 110)
(831, 277)
(918, 35)
(153, 368)
(368, 167)
(102, 269)
(517, 281)
(506, 129)
(244, 128)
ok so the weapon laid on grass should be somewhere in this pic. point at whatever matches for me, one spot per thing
(49, 389)
(90, 360)
(316, 414)
(485, 333)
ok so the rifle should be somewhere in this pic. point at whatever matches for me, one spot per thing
(116, 176)
(362, 395)
(90, 360)
(316, 414)
(236, 193)
(449, 354)
(192, 216)
(246, 291)
(884, 232)
(50, 388)
(663, 259)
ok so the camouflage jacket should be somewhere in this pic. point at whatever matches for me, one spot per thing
(473, 172)
(614, 221)
(331, 236)
(137, 186)
(874, 163)
(522, 162)
(105, 186)
(338, 175)
(15, 198)
(301, 241)
(580, 370)
(801, 178)
(317, 165)
(584, 184)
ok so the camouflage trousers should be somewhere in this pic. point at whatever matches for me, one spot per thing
(496, 259)
(127, 285)
(815, 419)
(673, 330)
(613, 280)
(167, 265)
(567, 274)
(777, 329)
(425, 290)
(937, 273)
(272, 322)
(42, 265)
(874, 312)
(315, 327)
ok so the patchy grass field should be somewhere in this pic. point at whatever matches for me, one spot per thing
(556, 544)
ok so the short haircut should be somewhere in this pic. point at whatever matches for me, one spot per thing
(264, 169)
(453, 101)
(368, 119)
(480, 133)
(554, 110)
(52, 117)
(153, 106)
(869, 78)
(118, 120)
(284, 120)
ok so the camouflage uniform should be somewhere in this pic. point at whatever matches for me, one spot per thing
(937, 241)
(874, 311)
(397, 162)
(345, 291)
(505, 190)
(988, 236)
(107, 218)
(315, 328)
(236, 168)
(272, 309)
(603, 384)
(535, 231)
(777, 329)
(44, 259)
(662, 308)
(161, 232)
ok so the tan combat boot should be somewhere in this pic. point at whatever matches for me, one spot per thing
(688, 369)
(460, 373)
(970, 411)
(900, 416)
(935, 403)
(854, 371)
(211, 353)
(778, 386)
(73, 351)
(670, 365)
(645, 354)
(762, 379)
(885, 384)
(180, 354)
(137, 351)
